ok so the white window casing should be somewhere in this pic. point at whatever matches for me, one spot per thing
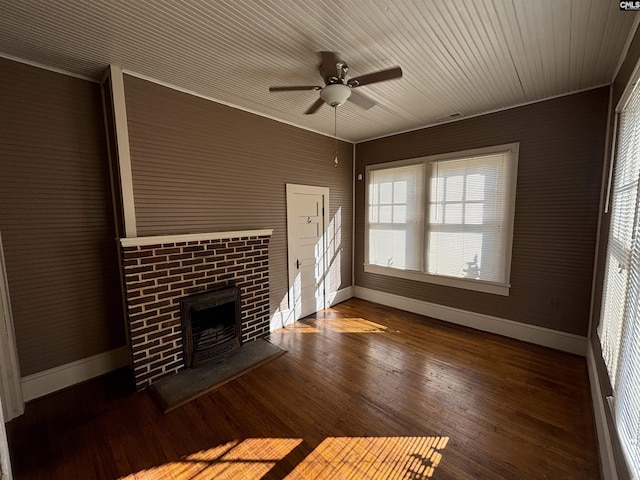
(444, 219)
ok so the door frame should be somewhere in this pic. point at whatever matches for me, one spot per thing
(10, 380)
(292, 190)
(11, 399)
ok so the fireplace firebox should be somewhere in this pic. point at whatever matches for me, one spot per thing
(211, 325)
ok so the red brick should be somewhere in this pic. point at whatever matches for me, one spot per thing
(234, 268)
(161, 288)
(152, 260)
(139, 300)
(215, 271)
(141, 316)
(168, 250)
(156, 305)
(148, 275)
(175, 366)
(191, 276)
(137, 285)
(194, 261)
(160, 348)
(170, 309)
(180, 256)
(168, 265)
(179, 285)
(179, 271)
(162, 296)
(149, 247)
(141, 269)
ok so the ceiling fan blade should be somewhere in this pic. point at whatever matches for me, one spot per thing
(294, 88)
(375, 77)
(314, 108)
(328, 62)
(361, 100)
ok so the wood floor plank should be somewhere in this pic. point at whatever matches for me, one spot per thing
(364, 391)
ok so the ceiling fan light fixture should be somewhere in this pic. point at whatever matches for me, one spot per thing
(336, 94)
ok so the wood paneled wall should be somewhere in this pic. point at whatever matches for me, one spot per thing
(560, 163)
(56, 218)
(199, 166)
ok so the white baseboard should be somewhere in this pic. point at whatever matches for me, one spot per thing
(340, 296)
(566, 342)
(49, 381)
(607, 459)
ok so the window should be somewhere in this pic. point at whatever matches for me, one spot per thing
(619, 327)
(395, 217)
(444, 219)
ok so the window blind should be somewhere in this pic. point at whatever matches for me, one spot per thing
(469, 203)
(396, 217)
(619, 327)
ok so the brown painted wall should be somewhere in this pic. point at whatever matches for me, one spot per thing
(56, 218)
(559, 171)
(199, 166)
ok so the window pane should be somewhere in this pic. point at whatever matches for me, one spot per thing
(473, 213)
(475, 186)
(454, 188)
(453, 213)
(400, 192)
(385, 214)
(399, 214)
(374, 194)
(386, 190)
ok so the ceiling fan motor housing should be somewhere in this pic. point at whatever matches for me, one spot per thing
(335, 94)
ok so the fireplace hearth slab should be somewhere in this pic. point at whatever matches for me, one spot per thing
(186, 385)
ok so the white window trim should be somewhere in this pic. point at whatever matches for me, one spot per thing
(463, 283)
(468, 284)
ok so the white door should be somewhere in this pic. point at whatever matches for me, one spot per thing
(307, 211)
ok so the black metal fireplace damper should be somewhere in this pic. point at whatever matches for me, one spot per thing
(211, 325)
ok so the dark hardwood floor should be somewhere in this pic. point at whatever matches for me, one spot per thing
(365, 391)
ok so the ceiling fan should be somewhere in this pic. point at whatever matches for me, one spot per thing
(337, 89)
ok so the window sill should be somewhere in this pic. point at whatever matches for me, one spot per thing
(478, 286)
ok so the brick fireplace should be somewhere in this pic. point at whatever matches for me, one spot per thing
(160, 271)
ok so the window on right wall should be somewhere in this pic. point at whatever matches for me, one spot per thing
(619, 327)
(445, 219)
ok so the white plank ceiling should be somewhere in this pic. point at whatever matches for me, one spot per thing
(470, 56)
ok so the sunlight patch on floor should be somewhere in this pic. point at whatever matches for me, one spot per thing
(336, 325)
(381, 458)
(349, 325)
(247, 459)
(354, 458)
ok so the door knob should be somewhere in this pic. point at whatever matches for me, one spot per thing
(298, 263)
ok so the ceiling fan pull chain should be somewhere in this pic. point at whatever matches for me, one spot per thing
(335, 134)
